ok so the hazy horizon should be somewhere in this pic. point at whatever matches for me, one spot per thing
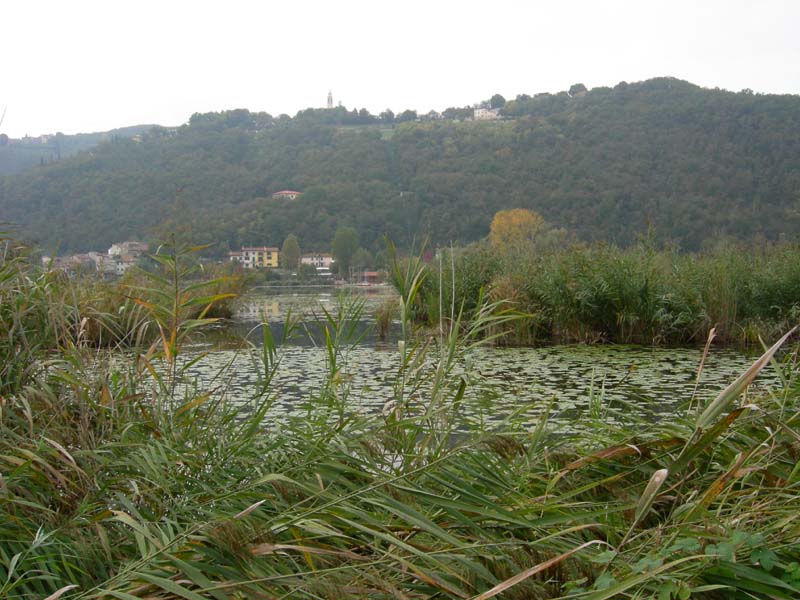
(92, 66)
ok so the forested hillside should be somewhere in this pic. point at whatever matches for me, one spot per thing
(688, 163)
(21, 154)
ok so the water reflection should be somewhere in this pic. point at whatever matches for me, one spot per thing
(307, 307)
(273, 304)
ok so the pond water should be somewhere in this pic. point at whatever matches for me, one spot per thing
(579, 380)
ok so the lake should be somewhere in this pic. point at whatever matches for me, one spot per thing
(579, 380)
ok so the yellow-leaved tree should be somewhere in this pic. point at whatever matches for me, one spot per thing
(511, 228)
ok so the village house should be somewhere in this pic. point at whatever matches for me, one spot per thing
(369, 277)
(317, 259)
(256, 257)
(103, 263)
(286, 195)
(119, 258)
(125, 262)
(486, 114)
(134, 249)
(122, 256)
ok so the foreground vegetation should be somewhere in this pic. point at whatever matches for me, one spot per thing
(641, 294)
(123, 478)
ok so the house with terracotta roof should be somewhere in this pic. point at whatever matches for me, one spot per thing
(286, 195)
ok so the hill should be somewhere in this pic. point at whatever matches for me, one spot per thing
(17, 155)
(685, 162)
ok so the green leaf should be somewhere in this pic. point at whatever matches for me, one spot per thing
(170, 586)
(723, 550)
(647, 563)
(685, 545)
(604, 557)
(666, 591)
(727, 396)
(764, 557)
(605, 581)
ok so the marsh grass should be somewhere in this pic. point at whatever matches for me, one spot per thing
(641, 295)
(123, 479)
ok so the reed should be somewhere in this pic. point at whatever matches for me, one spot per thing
(639, 295)
(123, 477)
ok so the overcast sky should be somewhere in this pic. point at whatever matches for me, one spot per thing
(75, 65)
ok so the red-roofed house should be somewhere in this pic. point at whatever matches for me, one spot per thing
(286, 195)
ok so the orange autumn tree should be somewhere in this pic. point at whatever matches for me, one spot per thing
(514, 227)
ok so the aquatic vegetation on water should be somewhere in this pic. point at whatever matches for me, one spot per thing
(117, 484)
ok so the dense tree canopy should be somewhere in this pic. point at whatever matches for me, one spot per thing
(577, 88)
(21, 154)
(344, 248)
(665, 156)
(514, 227)
(497, 101)
(290, 252)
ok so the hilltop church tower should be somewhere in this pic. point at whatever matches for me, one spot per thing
(330, 99)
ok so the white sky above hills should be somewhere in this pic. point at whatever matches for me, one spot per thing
(81, 66)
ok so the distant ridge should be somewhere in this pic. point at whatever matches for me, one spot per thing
(18, 154)
(666, 156)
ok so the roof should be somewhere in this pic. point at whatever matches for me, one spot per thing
(286, 193)
(259, 249)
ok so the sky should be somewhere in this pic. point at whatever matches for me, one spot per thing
(80, 66)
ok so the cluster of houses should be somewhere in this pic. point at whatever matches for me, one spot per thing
(119, 258)
(123, 255)
(479, 113)
(268, 257)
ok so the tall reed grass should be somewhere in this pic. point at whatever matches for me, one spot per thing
(636, 295)
(123, 477)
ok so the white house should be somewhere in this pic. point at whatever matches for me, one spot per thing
(129, 247)
(486, 114)
(317, 259)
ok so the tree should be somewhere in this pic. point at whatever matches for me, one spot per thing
(387, 116)
(497, 101)
(290, 252)
(577, 88)
(307, 272)
(364, 116)
(511, 228)
(343, 247)
(457, 113)
(407, 115)
(362, 259)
